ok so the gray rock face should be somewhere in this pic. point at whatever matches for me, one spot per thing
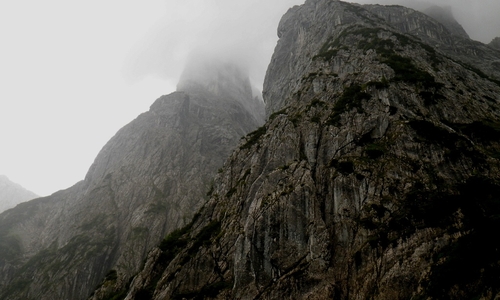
(149, 179)
(224, 80)
(495, 43)
(12, 194)
(445, 16)
(442, 36)
(376, 175)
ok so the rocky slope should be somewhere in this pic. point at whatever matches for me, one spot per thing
(12, 194)
(149, 179)
(443, 37)
(444, 15)
(376, 175)
(495, 43)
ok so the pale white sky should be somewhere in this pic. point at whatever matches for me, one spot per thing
(74, 72)
(62, 92)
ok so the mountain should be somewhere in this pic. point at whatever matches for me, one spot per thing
(476, 55)
(148, 180)
(495, 43)
(12, 194)
(444, 15)
(376, 175)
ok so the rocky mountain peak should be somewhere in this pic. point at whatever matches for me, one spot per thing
(445, 16)
(148, 180)
(12, 193)
(215, 75)
(375, 176)
(222, 78)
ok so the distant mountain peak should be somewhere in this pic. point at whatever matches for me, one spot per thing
(213, 73)
(12, 193)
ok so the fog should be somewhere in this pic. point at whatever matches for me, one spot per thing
(239, 31)
(74, 72)
(480, 18)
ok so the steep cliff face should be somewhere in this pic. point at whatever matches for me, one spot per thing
(12, 194)
(149, 179)
(443, 37)
(376, 175)
(444, 15)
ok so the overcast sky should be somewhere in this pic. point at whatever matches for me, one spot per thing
(73, 72)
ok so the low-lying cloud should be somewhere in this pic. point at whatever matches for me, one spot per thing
(241, 31)
(245, 31)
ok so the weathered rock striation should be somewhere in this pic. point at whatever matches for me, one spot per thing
(443, 37)
(444, 15)
(148, 180)
(12, 194)
(376, 175)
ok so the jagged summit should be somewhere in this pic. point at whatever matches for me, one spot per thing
(377, 169)
(224, 79)
(215, 75)
(148, 180)
(375, 176)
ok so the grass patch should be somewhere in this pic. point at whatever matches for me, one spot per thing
(344, 167)
(382, 84)
(207, 291)
(471, 264)
(253, 137)
(406, 71)
(275, 114)
(431, 98)
(231, 192)
(481, 131)
(375, 150)
(316, 119)
(351, 98)
(203, 237)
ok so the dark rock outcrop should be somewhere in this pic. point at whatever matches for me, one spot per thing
(376, 175)
(148, 180)
(12, 194)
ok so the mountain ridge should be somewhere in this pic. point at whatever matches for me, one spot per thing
(367, 180)
(376, 169)
(148, 180)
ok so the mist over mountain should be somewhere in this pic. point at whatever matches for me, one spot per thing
(495, 43)
(368, 169)
(12, 194)
(148, 180)
(242, 32)
(223, 78)
(445, 16)
(369, 179)
(478, 18)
